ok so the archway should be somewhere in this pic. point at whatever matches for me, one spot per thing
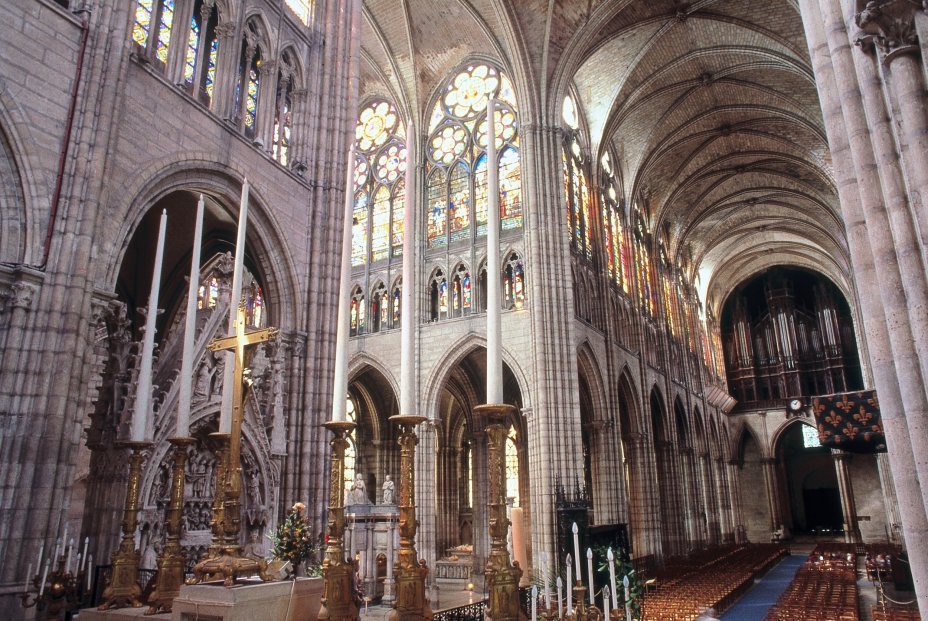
(372, 451)
(672, 526)
(808, 482)
(461, 529)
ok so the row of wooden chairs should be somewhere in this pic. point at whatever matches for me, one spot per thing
(713, 578)
(824, 588)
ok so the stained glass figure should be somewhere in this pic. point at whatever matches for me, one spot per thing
(380, 225)
(193, 43)
(384, 309)
(465, 285)
(443, 298)
(211, 67)
(512, 468)
(397, 298)
(359, 230)
(251, 100)
(397, 224)
(437, 225)
(510, 190)
(481, 200)
(459, 204)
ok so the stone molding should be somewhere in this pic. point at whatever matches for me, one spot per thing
(889, 26)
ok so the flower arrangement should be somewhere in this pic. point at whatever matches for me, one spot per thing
(293, 541)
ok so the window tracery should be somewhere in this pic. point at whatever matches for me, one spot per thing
(614, 226)
(380, 191)
(514, 282)
(252, 297)
(647, 296)
(358, 312)
(576, 188)
(456, 158)
(461, 295)
(438, 296)
(380, 308)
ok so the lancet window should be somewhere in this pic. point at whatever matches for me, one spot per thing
(153, 26)
(283, 109)
(252, 297)
(358, 312)
(397, 300)
(669, 291)
(379, 185)
(618, 258)
(202, 51)
(456, 158)
(249, 82)
(380, 308)
(647, 296)
(351, 451)
(462, 298)
(576, 186)
(512, 467)
(438, 296)
(514, 282)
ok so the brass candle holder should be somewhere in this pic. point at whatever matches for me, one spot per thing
(339, 602)
(60, 592)
(582, 611)
(410, 573)
(502, 576)
(123, 589)
(171, 561)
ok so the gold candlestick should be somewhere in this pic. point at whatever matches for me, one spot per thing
(123, 589)
(411, 603)
(170, 575)
(338, 596)
(60, 593)
(502, 576)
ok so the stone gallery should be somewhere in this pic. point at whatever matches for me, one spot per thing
(285, 334)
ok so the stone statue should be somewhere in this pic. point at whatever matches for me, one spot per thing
(358, 495)
(253, 549)
(389, 495)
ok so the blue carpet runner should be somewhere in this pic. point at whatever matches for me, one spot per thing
(754, 604)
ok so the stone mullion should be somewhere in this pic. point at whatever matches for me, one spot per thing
(898, 261)
(553, 359)
(226, 67)
(697, 504)
(299, 116)
(846, 489)
(724, 501)
(770, 485)
(267, 104)
(911, 506)
(49, 381)
(737, 508)
(644, 519)
(713, 518)
(177, 51)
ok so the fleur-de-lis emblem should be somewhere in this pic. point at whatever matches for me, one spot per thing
(834, 418)
(850, 431)
(844, 404)
(863, 416)
(817, 406)
(823, 433)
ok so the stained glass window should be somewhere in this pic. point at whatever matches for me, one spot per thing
(211, 67)
(358, 318)
(252, 297)
(580, 209)
(459, 204)
(810, 437)
(437, 230)
(443, 298)
(514, 282)
(193, 42)
(460, 292)
(165, 25)
(359, 230)
(380, 225)
(302, 9)
(614, 227)
(379, 169)
(512, 468)
(456, 162)
(643, 267)
(251, 100)
(384, 309)
(351, 455)
(142, 25)
(399, 206)
(438, 297)
(397, 300)
(208, 294)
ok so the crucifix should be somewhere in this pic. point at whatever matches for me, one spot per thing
(224, 558)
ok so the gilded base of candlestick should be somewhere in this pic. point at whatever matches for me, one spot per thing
(230, 565)
(171, 561)
(502, 576)
(340, 601)
(123, 589)
(410, 573)
(584, 612)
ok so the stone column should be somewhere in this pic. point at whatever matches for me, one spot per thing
(883, 365)
(890, 501)
(726, 524)
(737, 511)
(713, 517)
(479, 529)
(226, 67)
(846, 489)
(298, 127)
(177, 51)
(769, 466)
(644, 516)
(267, 104)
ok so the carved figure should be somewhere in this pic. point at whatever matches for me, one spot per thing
(358, 495)
(389, 492)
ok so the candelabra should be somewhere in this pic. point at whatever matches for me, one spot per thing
(123, 589)
(339, 602)
(502, 576)
(56, 592)
(411, 603)
(170, 575)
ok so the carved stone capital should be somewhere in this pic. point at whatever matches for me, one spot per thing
(22, 294)
(225, 29)
(888, 25)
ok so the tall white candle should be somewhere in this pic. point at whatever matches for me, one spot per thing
(343, 329)
(560, 585)
(190, 330)
(141, 418)
(38, 563)
(89, 570)
(534, 603)
(570, 587)
(42, 581)
(225, 412)
(589, 569)
(494, 276)
(54, 559)
(67, 563)
(407, 314)
(606, 602)
(84, 557)
(576, 551)
(611, 558)
(628, 600)
(546, 577)
(28, 576)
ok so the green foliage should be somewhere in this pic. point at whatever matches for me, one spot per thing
(623, 567)
(293, 541)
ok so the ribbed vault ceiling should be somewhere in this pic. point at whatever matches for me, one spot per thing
(709, 107)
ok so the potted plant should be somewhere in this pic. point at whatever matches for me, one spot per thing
(293, 542)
